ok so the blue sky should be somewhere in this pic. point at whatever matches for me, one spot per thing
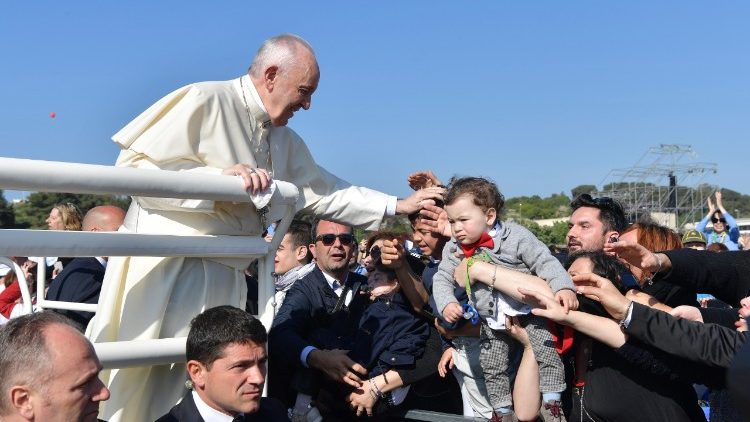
(539, 96)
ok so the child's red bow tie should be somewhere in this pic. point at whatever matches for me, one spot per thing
(485, 241)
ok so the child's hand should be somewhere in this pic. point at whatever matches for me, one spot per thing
(446, 362)
(452, 312)
(567, 299)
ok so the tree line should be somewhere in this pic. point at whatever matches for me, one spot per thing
(32, 212)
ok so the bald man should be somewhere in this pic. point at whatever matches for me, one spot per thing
(81, 280)
(48, 371)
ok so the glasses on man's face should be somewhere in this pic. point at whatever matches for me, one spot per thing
(328, 239)
(716, 220)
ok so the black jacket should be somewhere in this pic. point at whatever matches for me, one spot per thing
(308, 317)
(270, 410)
(80, 281)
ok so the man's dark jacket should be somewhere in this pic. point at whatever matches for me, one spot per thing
(270, 410)
(308, 317)
(80, 281)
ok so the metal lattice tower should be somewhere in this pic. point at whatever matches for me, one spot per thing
(666, 179)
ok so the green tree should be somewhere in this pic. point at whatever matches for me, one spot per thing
(582, 189)
(535, 207)
(7, 217)
(549, 235)
(34, 210)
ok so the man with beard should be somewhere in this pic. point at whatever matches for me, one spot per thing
(594, 222)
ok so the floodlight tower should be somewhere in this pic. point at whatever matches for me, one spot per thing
(642, 192)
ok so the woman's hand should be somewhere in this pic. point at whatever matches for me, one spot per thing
(602, 290)
(515, 330)
(637, 255)
(547, 307)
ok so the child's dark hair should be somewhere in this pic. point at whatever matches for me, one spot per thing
(604, 265)
(484, 193)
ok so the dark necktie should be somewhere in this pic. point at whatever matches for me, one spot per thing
(341, 303)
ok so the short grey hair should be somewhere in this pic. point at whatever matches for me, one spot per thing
(24, 357)
(280, 51)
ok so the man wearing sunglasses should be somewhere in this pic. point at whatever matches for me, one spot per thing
(319, 318)
(725, 229)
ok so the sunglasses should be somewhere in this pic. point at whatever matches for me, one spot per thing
(716, 220)
(375, 253)
(604, 200)
(328, 239)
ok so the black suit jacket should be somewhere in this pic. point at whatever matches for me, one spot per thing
(80, 281)
(725, 275)
(308, 317)
(709, 344)
(270, 410)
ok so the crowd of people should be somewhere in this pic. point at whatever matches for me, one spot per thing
(465, 314)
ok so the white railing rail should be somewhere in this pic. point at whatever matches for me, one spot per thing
(48, 176)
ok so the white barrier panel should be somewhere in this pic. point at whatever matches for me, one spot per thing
(68, 306)
(55, 176)
(74, 244)
(51, 176)
(123, 354)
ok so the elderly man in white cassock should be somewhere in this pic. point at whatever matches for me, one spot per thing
(235, 128)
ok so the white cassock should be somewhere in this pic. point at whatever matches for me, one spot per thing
(204, 127)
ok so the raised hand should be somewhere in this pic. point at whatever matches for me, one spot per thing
(634, 254)
(423, 179)
(392, 254)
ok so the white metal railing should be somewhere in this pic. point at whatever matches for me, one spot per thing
(49, 176)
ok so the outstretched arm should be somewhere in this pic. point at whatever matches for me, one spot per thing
(392, 255)
(526, 395)
(709, 344)
(503, 279)
(602, 329)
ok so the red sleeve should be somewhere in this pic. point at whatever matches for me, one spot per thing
(8, 298)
